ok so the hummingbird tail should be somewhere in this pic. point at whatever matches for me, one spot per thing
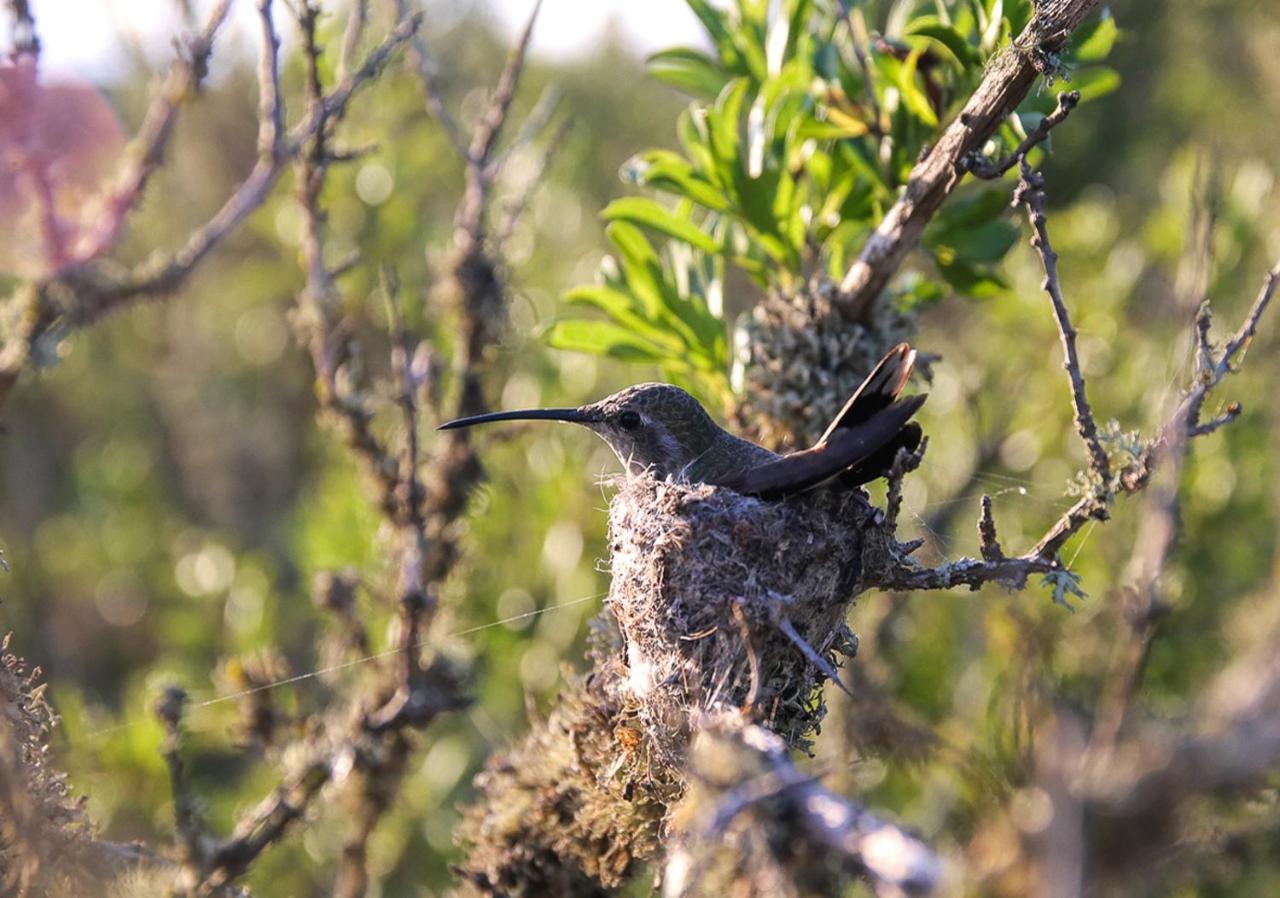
(879, 463)
(877, 392)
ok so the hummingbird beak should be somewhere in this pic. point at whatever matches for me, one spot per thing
(572, 415)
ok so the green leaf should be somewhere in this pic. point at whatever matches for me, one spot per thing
(646, 212)
(912, 95)
(971, 280)
(987, 243)
(833, 128)
(723, 124)
(844, 237)
(665, 170)
(748, 38)
(921, 295)
(695, 137)
(625, 310)
(1018, 14)
(1093, 42)
(647, 279)
(602, 338)
(932, 27)
(688, 70)
(992, 25)
(797, 13)
(640, 265)
(972, 210)
(1094, 82)
(714, 21)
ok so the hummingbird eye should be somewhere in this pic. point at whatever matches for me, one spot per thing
(629, 420)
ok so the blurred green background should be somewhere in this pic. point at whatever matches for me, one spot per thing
(166, 496)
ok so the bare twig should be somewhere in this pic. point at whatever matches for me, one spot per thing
(471, 213)
(85, 293)
(186, 815)
(487, 131)
(534, 124)
(162, 273)
(753, 657)
(783, 623)
(265, 825)
(1145, 605)
(983, 168)
(903, 464)
(1006, 82)
(270, 104)
(1182, 425)
(1030, 194)
(357, 19)
(988, 543)
(1212, 369)
(515, 210)
(421, 514)
(145, 152)
(424, 67)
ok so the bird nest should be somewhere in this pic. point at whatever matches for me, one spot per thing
(719, 603)
(726, 601)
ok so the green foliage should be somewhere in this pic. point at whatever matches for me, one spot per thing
(789, 156)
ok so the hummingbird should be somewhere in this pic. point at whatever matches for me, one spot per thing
(661, 429)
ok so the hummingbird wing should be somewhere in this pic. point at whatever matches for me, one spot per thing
(843, 448)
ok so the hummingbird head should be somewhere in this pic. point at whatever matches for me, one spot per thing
(654, 427)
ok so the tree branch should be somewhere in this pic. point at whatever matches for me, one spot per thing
(1183, 425)
(980, 167)
(145, 153)
(424, 67)
(1007, 80)
(1030, 194)
(746, 792)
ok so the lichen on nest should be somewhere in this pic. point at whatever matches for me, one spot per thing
(797, 359)
(725, 600)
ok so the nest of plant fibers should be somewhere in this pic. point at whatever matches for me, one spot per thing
(726, 601)
(719, 603)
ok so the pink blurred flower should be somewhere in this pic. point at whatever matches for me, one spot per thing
(59, 144)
